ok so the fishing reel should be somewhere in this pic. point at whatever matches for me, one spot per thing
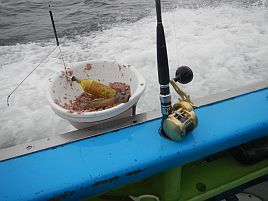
(182, 118)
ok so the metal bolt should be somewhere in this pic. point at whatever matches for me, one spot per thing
(29, 147)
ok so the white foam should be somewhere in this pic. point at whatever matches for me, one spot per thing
(226, 46)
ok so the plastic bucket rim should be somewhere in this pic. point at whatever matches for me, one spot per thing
(69, 116)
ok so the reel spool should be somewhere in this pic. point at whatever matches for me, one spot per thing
(182, 118)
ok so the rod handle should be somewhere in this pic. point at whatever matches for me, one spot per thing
(54, 28)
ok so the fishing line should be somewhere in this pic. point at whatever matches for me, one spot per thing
(63, 62)
(58, 45)
(29, 75)
(176, 42)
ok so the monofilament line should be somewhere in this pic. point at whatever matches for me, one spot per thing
(176, 42)
(63, 62)
(29, 75)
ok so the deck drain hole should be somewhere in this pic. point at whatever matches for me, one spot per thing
(201, 187)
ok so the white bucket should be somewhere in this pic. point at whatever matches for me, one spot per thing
(104, 71)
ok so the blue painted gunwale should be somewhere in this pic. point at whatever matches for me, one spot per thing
(98, 164)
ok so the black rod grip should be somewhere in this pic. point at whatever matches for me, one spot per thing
(162, 57)
(54, 28)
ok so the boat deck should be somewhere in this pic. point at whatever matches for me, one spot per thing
(95, 165)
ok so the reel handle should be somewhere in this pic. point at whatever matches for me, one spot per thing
(183, 75)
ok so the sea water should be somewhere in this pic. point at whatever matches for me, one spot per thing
(224, 42)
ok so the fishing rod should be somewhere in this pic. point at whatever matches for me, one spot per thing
(162, 64)
(58, 45)
(57, 40)
(179, 119)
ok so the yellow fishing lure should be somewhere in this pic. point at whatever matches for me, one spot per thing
(95, 88)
